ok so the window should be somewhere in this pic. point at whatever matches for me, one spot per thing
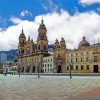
(48, 65)
(28, 50)
(48, 60)
(82, 67)
(51, 69)
(48, 69)
(71, 60)
(95, 58)
(45, 65)
(76, 54)
(39, 47)
(87, 67)
(51, 59)
(82, 59)
(76, 67)
(87, 58)
(76, 59)
(44, 47)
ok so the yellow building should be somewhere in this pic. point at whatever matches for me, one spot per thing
(85, 59)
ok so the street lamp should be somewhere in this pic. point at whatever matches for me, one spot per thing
(38, 67)
(38, 71)
(71, 65)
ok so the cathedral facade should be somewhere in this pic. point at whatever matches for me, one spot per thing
(30, 54)
(34, 57)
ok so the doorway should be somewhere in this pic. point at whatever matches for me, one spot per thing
(33, 69)
(95, 69)
(59, 69)
(22, 69)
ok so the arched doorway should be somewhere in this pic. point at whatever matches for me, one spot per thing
(95, 69)
(33, 69)
(59, 70)
(22, 70)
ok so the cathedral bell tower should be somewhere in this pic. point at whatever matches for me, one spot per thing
(22, 40)
(42, 42)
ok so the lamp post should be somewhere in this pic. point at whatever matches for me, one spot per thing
(38, 71)
(71, 65)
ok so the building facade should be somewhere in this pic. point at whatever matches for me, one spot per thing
(48, 64)
(34, 57)
(30, 54)
(85, 59)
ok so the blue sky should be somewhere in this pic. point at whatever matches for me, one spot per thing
(14, 13)
(13, 8)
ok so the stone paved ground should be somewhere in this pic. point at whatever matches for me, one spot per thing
(49, 88)
(93, 94)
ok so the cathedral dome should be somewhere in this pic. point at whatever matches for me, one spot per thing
(83, 43)
(62, 40)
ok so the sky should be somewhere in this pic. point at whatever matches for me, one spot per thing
(71, 19)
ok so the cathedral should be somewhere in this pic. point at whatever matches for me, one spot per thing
(34, 57)
(30, 54)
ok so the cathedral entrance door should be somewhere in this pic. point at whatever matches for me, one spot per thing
(59, 70)
(33, 70)
(22, 70)
(95, 70)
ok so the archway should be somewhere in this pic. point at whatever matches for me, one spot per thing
(95, 70)
(59, 70)
(22, 69)
(33, 69)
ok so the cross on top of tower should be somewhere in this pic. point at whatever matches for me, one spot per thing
(42, 20)
(22, 29)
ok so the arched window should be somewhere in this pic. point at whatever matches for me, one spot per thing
(28, 50)
(39, 47)
(44, 47)
(67, 67)
(19, 52)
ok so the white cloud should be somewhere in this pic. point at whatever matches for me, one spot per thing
(98, 9)
(16, 20)
(25, 13)
(89, 2)
(49, 5)
(72, 28)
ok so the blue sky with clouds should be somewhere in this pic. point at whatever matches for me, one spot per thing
(16, 13)
(13, 8)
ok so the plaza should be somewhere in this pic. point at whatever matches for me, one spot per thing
(30, 87)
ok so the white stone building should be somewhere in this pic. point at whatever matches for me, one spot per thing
(48, 64)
